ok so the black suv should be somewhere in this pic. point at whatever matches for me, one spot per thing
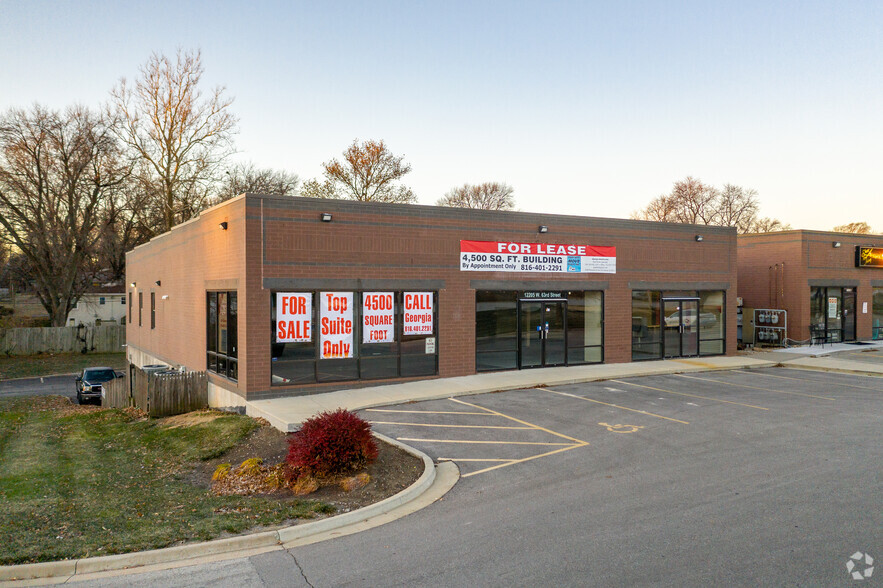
(89, 383)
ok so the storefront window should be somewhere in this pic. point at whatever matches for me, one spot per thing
(585, 312)
(711, 322)
(832, 314)
(646, 329)
(221, 336)
(694, 323)
(339, 336)
(877, 316)
(496, 331)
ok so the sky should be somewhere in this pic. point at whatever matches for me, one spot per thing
(585, 108)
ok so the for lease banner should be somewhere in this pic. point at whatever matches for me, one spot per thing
(335, 325)
(502, 256)
(294, 317)
(418, 313)
(378, 317)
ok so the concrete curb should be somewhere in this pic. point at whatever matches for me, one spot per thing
(76, 567)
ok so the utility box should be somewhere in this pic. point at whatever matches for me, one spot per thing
(769, 326)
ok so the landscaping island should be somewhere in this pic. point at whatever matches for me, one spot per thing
(79, 481)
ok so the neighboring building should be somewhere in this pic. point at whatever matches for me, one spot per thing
(280, 296)
(101, 305)
(830, 294)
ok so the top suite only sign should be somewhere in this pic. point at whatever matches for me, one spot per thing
(500, 256)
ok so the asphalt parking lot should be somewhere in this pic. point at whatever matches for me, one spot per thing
(767, 477)
(489, 432)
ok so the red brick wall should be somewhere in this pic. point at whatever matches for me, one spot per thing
(189, 260)
(398, 242)
(383, 242)
(808, 256)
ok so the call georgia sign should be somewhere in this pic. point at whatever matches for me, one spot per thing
(868, 256)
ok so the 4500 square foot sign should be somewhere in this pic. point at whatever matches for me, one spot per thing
(501, 256)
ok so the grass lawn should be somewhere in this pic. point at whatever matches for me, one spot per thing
(48, 365)
(80, 482)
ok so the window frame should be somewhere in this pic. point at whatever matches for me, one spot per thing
(229, 359)
(358, 360)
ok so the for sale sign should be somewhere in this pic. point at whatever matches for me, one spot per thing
(335, 325)
(378, 317)
(501, 256)
(294, 317)
(418, 313)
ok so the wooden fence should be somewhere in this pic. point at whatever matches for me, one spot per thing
(158, 395)
(82, 339)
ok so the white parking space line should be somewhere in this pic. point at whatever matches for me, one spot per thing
(483, 442)
(690, 395)
(754, 387)
(453, 426)
(426, 411)
(659, 416)
(815, 381)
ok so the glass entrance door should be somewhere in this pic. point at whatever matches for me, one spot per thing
(849, 314)
(682, 320)
(542, 338)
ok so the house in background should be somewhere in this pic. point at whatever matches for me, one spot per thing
(101, 305)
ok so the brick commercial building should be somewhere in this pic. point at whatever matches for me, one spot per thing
(831, 284)
(278, 296)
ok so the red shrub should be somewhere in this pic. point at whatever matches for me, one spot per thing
(331, 443)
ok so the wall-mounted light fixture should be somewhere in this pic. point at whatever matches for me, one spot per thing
(133, 284)
(326, 217)
(836, 244)
(543, 229)
(165, 296)
(158, 282)
(223, 226)
(698, 238)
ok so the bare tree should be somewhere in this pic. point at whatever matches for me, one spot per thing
(313, 189)
(693, 202)
(486, 196)
(179, 138)
(690, 201)
(248, 178)
(736, 207)
(57, 173)
(859, 228)
(768, 225)
(126, 223)
(369, 172)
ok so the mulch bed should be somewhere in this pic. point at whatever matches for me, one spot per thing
(393, 471)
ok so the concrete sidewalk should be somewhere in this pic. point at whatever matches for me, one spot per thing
(288, 413)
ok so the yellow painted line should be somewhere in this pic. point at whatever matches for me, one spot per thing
(755, 387)
(473, 459)
(452, 426)
(505, 465)
(480, 442)
(426, 411)
(690, 395)
(816, 381)
(659, 416)
(531, 425)
(697, 363)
